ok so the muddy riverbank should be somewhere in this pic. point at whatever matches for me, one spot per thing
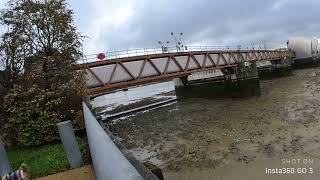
(202, 138)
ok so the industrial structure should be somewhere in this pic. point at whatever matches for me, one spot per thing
(306, 49)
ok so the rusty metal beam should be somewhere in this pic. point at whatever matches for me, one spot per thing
(177, 63)
(127, 70)
(195, 60)
(154, 66)
(204, 61)
(187, 64)
(163, 77)
(211, 60)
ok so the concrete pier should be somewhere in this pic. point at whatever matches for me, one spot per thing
(299, 63)
(277, 68)
(240, 81)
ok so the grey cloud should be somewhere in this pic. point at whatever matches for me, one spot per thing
(215, 22)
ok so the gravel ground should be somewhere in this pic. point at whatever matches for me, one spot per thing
(83, 173)
(205, 138)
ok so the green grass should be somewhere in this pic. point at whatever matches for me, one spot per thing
(42, 160)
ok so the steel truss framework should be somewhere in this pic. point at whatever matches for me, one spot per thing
(103, 76)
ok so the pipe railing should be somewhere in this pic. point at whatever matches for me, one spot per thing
(162, 50)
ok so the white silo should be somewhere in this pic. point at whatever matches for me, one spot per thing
(318, 49)
(305, 48)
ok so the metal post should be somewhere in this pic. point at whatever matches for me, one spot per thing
(4, 162)
(70, 144)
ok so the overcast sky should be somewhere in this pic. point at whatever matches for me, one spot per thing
(125, 24)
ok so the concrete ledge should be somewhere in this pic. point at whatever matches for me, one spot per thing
(108, 161)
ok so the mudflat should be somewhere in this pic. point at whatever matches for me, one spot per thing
(233, 138)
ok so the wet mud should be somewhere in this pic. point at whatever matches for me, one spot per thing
(232, 138)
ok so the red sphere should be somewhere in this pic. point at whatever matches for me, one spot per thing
(101, 56)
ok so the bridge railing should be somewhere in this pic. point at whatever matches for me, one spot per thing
(161, 50)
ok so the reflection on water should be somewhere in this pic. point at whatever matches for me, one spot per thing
(132, 95)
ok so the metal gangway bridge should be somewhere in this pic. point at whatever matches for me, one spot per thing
(127, 68)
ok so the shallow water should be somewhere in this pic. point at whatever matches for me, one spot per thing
(133, 95)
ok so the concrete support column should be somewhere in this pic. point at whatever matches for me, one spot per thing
(180, 85)
(244, 81)
(240, 81)
(248, 69)
(253, 69)
(4, 162)
(279, 68)
(70, 144)
(180, 82)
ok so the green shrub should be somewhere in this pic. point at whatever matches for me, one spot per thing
(34, 113)
(40, 50)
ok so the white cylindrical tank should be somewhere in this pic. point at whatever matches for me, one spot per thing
(318, 50)
(305, 48)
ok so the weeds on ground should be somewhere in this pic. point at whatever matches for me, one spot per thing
(42, 160)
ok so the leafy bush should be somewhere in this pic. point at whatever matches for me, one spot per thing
(34, 113)
(40, 48)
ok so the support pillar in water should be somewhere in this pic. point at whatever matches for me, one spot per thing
(240, 81)
(277, 68)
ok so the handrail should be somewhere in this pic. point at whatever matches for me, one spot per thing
(162, 50)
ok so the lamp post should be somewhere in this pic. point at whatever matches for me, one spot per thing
(164, 46)
(178, 40)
